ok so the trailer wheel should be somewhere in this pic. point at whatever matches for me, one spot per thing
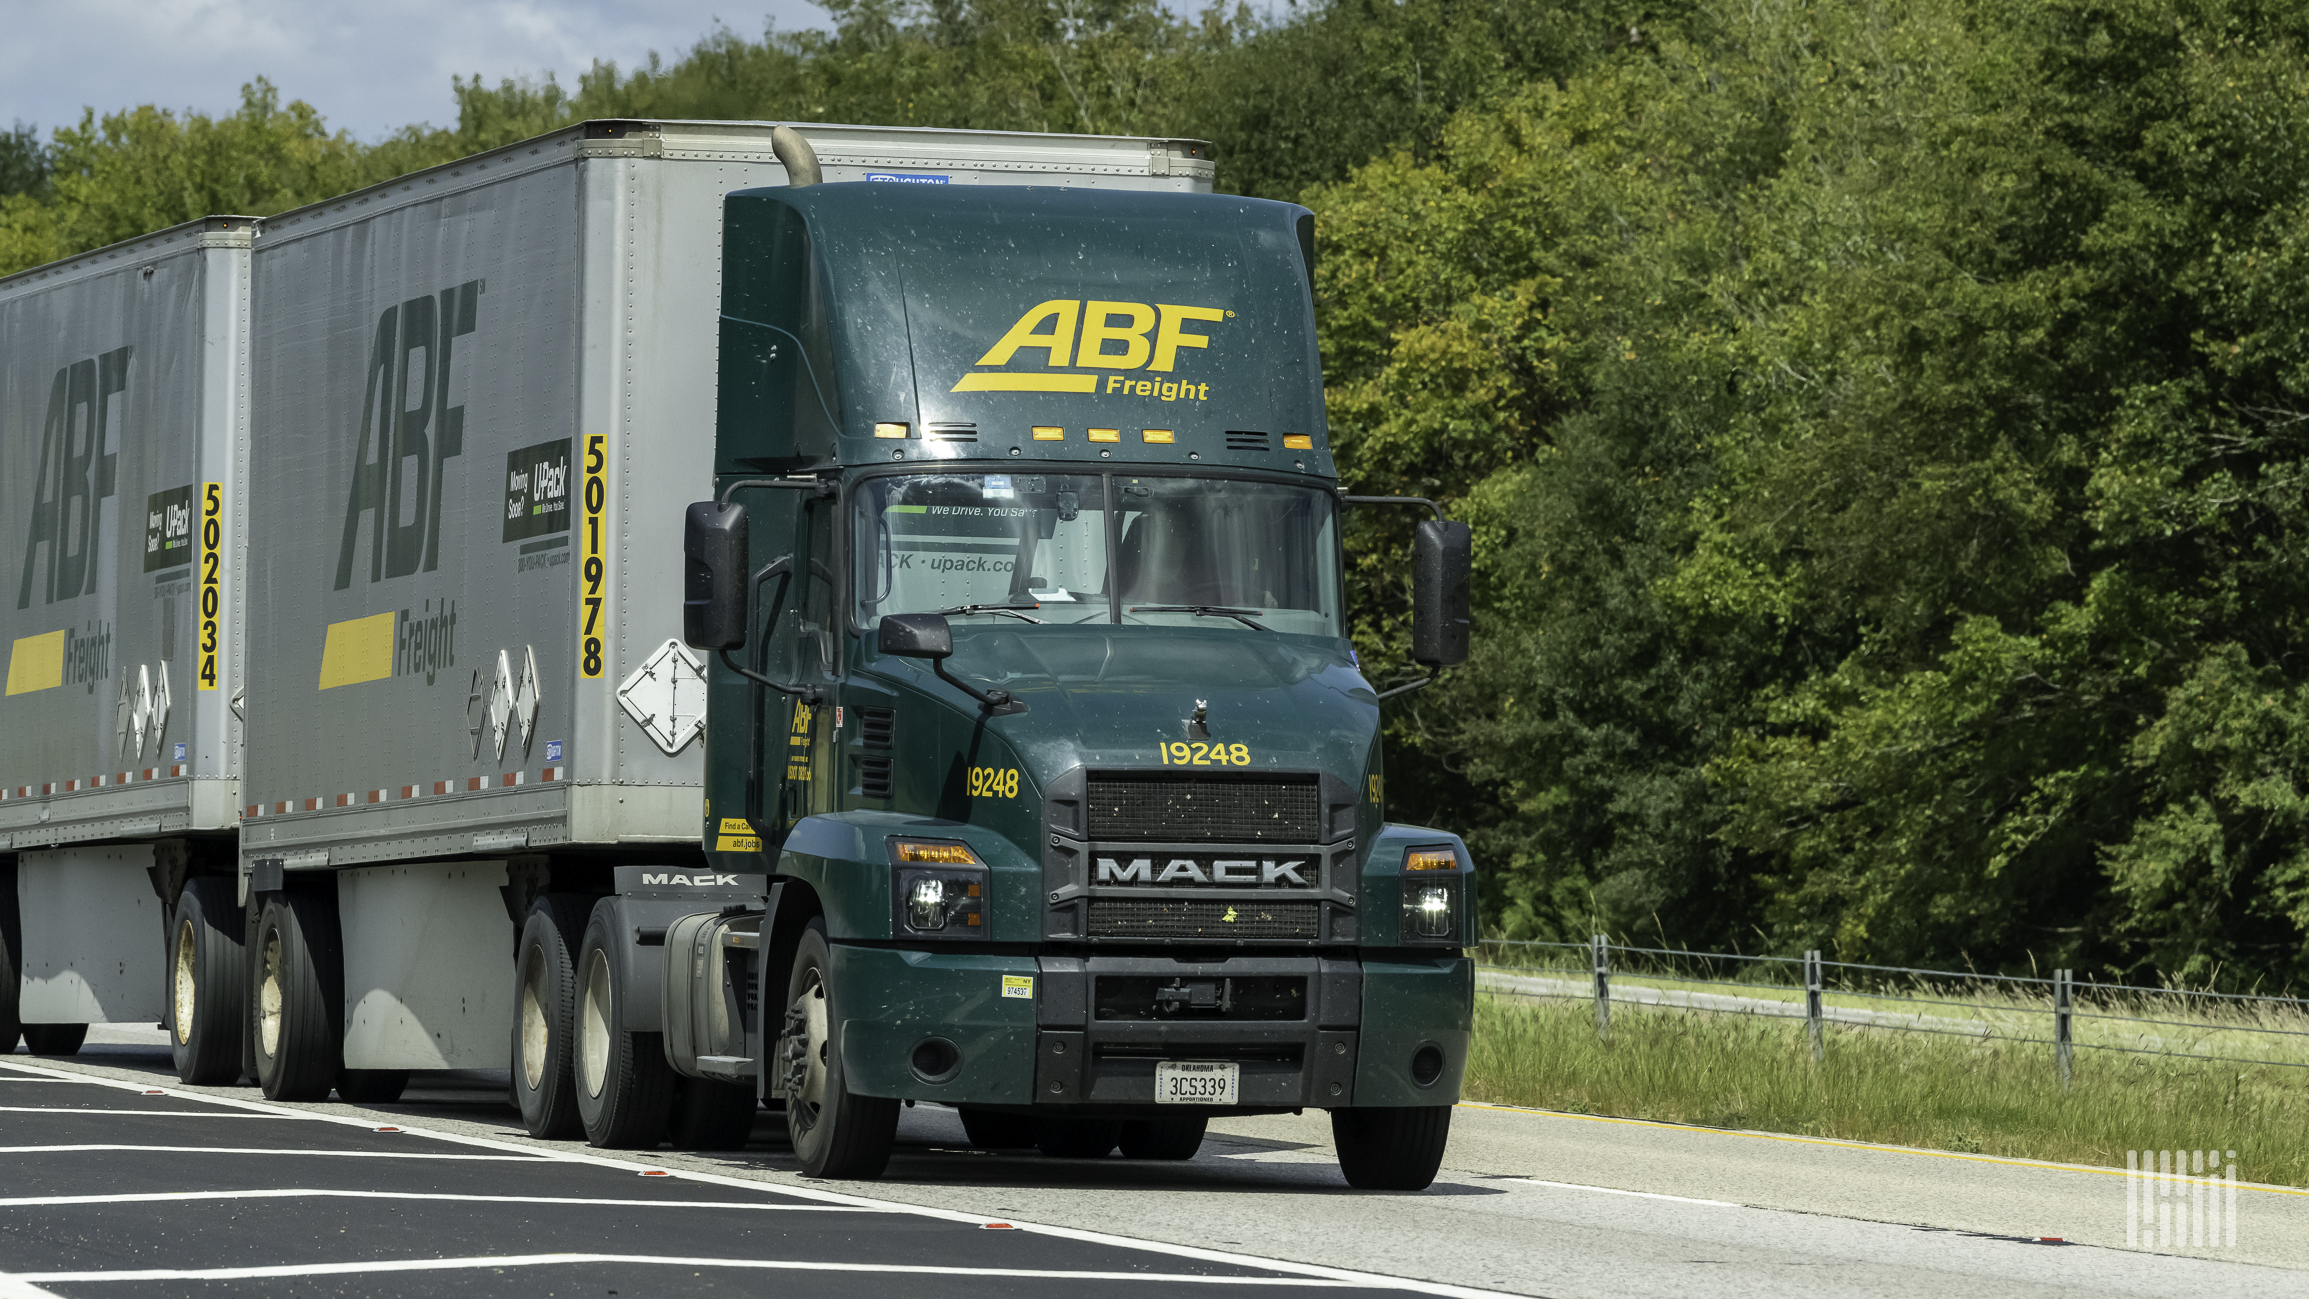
(298, 1046)
(836, 1133)
(1163, 1138)
(545, 1021)
(371, 1086)
(1077, 1138)
(11, 1028)
(710, 1115)
(1391, 1149)
(624, 1085)
(55, 1039)
(991, 1131)
(208, 970)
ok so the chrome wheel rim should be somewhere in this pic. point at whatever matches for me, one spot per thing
(593, 1043)
(181, 1003)
(269, 997)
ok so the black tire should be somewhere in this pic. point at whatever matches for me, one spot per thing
(545, 1016)
(371, 1086)
(1163, 1138)
(624, 1085)
(208, 983)
(55, 1039)
(1077, 1138)
(835, 1132)
(711, 1115)
(11, 937)
(1391, 1149)
(299, 1026)
(991, 1131)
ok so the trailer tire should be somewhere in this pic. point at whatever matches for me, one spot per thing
(545, 1016)
(624, 1085)
(299, 1045)
(711, 1115)
(835, 1132)
(371, 1086)
(208, 969)
(55, 1039)
(1391, 1149)
(1163, 1138)
(1077, 1138)
(11, 1028)
(988, 1130)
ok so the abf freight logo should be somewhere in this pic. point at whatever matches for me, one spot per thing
(409, 432)
(402, 643)
(1111, 336)
(60, 658)
(76, 474)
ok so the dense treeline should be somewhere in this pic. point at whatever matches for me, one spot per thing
(1886, 425)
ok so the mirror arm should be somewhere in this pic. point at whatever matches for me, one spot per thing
(1407, 689)
(1396, 500)
(807, 694)
(993, 699)
(822, 488)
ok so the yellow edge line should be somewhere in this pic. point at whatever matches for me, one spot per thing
(1846, 1145)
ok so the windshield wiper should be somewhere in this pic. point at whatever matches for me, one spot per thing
(1242, 616)
(1008, 609)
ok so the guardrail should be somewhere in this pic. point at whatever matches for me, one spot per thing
(1998, 1007)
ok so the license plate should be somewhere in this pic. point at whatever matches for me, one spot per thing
(1197, 1082)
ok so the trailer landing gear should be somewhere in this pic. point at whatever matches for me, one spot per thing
(835, 1132)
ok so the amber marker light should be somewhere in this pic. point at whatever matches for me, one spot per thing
(1047, 433)
(1106, 435)
(1298, 441)
(1155, 434)
(1431, 859)
(954, 854)
(890, 430)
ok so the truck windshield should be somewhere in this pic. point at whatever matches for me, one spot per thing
(1083, 548)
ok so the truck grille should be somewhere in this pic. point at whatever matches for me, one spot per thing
(1195, 809)
(1198, 919)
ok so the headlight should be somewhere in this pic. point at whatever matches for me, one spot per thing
(938, 888)
(1431, 910)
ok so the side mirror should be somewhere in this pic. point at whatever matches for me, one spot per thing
(1442, 555)
(915, 636)
(713, 589)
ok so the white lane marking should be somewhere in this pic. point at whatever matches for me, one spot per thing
(758, 1264)
(11, 1288)
(174, 1197)
(1196, 1253)
(83, 1109)
(1613, 1190)
(255, 1150)
(47, 1080)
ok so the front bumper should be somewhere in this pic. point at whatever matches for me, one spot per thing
(1084, 1034)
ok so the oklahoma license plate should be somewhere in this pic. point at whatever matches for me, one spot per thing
(1197, 1082)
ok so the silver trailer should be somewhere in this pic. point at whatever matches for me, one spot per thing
(123, 379)
(478, 399)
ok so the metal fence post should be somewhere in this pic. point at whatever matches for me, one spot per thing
(1812, 1005)
(2063, 1013)
(1602, 986)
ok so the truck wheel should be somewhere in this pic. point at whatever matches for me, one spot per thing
(1163, 1138)
(208, 971)
(300, 1049)
(545, 1018)
(1077, 1138)
(709, 1115)
(624, 1085)
(836, 1133)
(1391, 1149)
(55, 1039)
(371, 1086)
(991, 1131)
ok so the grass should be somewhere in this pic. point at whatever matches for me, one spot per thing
(1728, 1070)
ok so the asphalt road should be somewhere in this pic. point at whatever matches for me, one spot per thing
(115, 1181)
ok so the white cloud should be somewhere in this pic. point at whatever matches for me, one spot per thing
(368, 68)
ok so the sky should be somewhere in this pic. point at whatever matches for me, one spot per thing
(369, 68)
